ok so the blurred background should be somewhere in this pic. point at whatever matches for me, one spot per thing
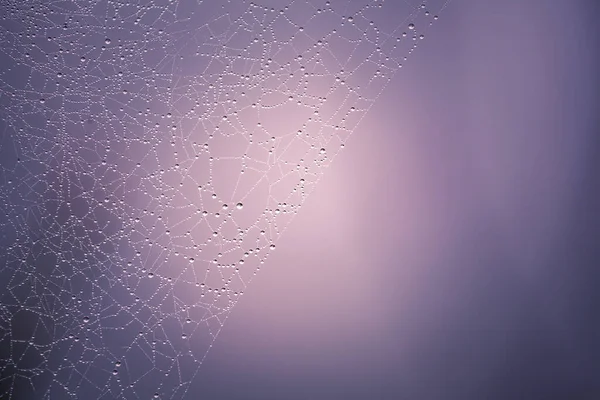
(451, 250)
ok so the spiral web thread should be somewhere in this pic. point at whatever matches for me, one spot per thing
(152, 154)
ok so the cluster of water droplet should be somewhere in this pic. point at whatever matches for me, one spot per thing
(152, 155)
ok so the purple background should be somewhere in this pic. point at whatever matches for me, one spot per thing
(450, 252)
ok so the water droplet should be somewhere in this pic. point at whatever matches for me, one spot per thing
(239, 206)
(411, 26)
(107, 41)
(86, 319)
(150, 275)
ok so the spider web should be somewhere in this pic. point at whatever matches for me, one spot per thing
(152, 154)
